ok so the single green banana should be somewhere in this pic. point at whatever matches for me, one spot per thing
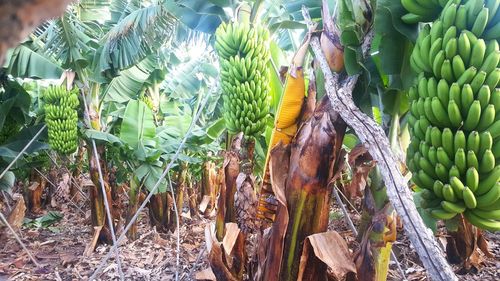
(490, 197)
(436, 32)
(447, 140)
(443, 157)
(449, 194)
(460, 160)
(467, 77)
(453, 207)
(448, 15)
(492, 33)
(443, 90)
(483, 96)
(485, 142)
(469, 198)
(436, 137)
(491, 62)
(487, 118)
(441, 172)
(459, 140)
(493, 79)
(478, 53)
(478, 81)
(447, 71)
(490, 225)
(432, 87)
(473, 142)
(480, 23)
(461, 17)
(411, 18)
(464, 47)
(488, 181)
(432, 156)
(472, 160)
(472, 179)
(487, 163)
(457, 186)
(440, 112)
(458, 66)
(454, 114)
(442, 214)
(466, 99)
(438, 63)
(473, 116)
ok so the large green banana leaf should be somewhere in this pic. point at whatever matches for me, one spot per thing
(23, 62)
(138, 127)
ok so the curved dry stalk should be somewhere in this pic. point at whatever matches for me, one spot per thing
(340, 95)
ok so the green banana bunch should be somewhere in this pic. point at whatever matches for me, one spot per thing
(10, 127)
(453, 113)
(147, 100)
(244, 53)
(422, 10)
(61, 118)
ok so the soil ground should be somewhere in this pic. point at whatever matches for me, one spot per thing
(153, 256)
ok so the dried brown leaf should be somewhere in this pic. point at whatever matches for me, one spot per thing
(205, 274)
(16, 216)
(319, 254)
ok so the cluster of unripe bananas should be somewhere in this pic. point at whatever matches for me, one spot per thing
(147, 100)
(243, 55)
(62, 118)
(10, 127)
(453, 114)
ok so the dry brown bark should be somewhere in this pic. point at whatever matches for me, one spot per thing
(180, 190)
(160, 215)
(19, 17)
(133, 203)
(34, 192)
(315, 157)
(191, 192)
(74, 191)
(300, 180)
(464, 246)
(225, 204)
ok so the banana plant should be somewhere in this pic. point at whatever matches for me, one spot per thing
(97, 52)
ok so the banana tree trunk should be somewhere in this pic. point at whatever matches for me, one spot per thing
(133, 195)
(208, 182)
(98, 211)
(191, 192)
(181, 189)
(315, 158)
(159, 211)
(377, 232)
(74, 191)
(465, 244)
(225, 204)
(35, 192)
